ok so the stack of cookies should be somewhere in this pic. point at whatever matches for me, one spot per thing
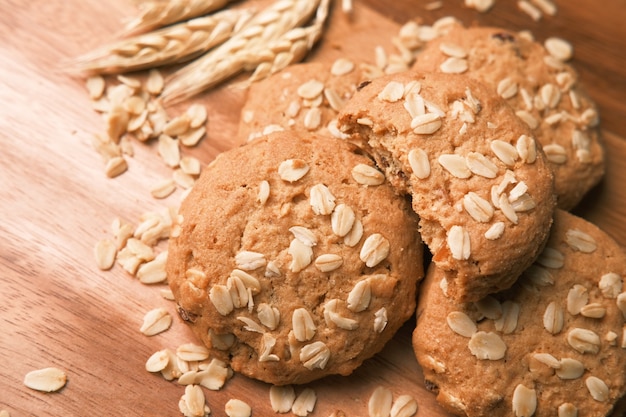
(359, 200)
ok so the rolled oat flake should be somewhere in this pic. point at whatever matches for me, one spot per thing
(46, 379)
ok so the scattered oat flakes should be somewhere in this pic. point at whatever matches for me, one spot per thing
(454, 65)
(115, 166)
(546, 6)
(192, 352)
(531, 10)
(569, 368)
(380, 402)
(461, 324)
(46, 379)
(367, 175)
(192, 137)
(163, 189)
(310, 89)
(167, 294)
(292, 170)
(237, 408)
(321, 199)
(375, 249)
(328, 262)
(459, 242)
(105, 252)
(380, 320)
(301, 255)
(95, 87)
(487, 346)
(303, 326)
(153, 272)
(360, 296)
(610, 285)
(193, 402)
(342, 66)
(433, 5)
(214, 375)
(315, 355)
(553, 318)
(481, 6)
(392, 92)
(567, 410)
(404, 406)
(156, 321)
(597, 388)
(420, 165)
(182, 179)
(282, 398)
(346, 6)
(559, 48)
(524, 401)
(304, 403)
(583, 340)
(158, 361)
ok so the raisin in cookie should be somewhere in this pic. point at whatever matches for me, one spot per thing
(478, 180)
(544, 91)
(554, 344)
(304, 96)
(295, 259)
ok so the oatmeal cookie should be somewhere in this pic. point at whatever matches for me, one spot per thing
(295, 258)
(554, 344)
(304, 96)
(479, 181)
(544, 90)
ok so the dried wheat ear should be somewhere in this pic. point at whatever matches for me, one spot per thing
(155, 14)
(178, 43)
(214, 44)
(267, 43)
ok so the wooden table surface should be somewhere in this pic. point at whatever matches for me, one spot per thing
(57, 309)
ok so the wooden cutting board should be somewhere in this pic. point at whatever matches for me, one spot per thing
(58, 309)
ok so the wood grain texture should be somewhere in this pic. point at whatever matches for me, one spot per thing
(57, 309)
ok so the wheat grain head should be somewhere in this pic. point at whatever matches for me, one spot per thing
(158, 13)
(174, 44)
(245, 49)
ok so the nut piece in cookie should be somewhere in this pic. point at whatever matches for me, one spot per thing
(555, 342)
(296, 259)
(478, 179)
(544, 91)
(304, 96)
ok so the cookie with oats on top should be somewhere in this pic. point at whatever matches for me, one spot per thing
(296, 259)
(553, 345)
(544, 90)
(305, 96)
(478, 180)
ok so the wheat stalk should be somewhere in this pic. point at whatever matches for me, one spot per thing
(159, 13)
(291, 47)
(258, 41)
(174, 44)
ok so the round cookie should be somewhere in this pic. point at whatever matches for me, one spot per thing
(304, 96)
(544, 91)
(478, 180)
(554, 344)
(295, 258)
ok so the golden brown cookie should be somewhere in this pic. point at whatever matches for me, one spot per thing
(304, 96)
(553, 345)
(479, 181)
(544, 91)
(295, 259)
